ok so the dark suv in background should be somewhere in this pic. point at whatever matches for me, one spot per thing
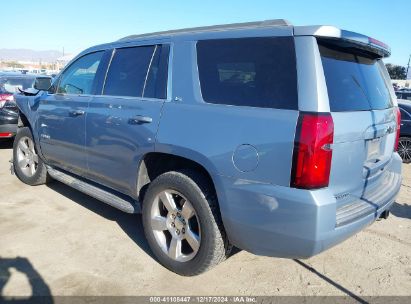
(404, 147)
(10, 83)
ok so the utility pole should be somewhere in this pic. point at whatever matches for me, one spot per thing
(408, 67)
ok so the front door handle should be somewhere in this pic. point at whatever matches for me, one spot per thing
(76, 113)
(139, 119)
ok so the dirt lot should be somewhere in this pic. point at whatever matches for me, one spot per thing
(55, 240)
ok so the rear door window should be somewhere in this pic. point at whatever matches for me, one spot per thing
(256, 72)
(128, 70)
(355, 80)
(139, 71)
(156, 82)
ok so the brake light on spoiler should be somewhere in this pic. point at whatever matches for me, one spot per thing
(378, 43)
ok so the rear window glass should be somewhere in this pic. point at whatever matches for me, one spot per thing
(13, 84)
(355, 81)
(256, 72)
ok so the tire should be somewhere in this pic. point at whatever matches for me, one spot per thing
(404, 149)
(28, 166)
(185, 186)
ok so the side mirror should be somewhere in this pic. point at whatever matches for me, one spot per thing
(42, 83)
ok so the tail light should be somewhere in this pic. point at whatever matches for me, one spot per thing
(5, 98)
(398, 120)
(312, 151)
(6, 135)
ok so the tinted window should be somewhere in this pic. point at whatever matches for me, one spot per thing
(156, 84)
(13, 84)
(78, 78)
(128, 71)
(403, 95)
(404, 115)
(355, 81)
(257, 72)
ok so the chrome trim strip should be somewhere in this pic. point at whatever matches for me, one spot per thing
(113, 51)
(148, 69)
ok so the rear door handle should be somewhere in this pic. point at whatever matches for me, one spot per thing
(76, 113)
(139, 119)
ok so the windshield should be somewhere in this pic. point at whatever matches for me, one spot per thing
(355, 80)
(10, 85)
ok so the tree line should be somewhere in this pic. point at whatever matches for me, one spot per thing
(396, 72)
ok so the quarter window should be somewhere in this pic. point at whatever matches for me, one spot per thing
(256, 72)
(78, 78)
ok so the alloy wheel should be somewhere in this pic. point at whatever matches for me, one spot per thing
(27, 158)
(175, 225)
(404, 149)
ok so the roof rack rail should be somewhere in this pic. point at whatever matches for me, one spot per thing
(265, 23)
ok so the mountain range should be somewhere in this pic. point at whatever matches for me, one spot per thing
(29, 55)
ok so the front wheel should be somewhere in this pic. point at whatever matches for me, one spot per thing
(28, 166)
(182, 223)
(404, 149)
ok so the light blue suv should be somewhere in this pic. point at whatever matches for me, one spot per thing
(277, 139)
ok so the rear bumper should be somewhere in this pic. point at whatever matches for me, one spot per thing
(293, 223)
(8, 130)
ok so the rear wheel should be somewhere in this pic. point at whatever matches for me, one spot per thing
(28, 166)
(404, 149)
(182, 223)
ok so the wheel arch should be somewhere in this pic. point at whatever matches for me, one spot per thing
(156, 163)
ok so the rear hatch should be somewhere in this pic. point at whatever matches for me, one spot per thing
(364, 115)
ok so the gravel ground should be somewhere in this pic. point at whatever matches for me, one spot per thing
(55, 240)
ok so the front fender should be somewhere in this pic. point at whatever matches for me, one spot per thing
(28, 106)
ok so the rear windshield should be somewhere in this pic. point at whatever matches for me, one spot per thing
(11, 85)
(355, 80)
(255, 72)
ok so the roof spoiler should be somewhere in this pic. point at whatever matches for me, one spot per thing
(362, 41)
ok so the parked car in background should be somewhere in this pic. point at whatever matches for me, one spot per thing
(10, 83)
(404, 147)
(278, 139)
(403, 94)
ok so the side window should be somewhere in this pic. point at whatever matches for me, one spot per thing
(156, 84)
(78, 78)
(404, 115)
(256, 72)
(127, 73)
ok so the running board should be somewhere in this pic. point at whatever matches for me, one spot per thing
(126, 205)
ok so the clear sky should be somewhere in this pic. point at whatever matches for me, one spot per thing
(78, 24)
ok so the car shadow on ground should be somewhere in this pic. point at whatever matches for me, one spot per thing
(130, 223)
(401, 210)
(6, 143)
(39, 287)
(330, 281)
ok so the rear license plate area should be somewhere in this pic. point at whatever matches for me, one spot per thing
(374, 149)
